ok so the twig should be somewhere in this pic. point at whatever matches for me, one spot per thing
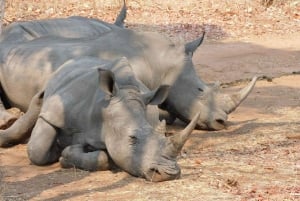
(293, 136)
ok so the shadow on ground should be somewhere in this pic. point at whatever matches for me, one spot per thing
(28, 189)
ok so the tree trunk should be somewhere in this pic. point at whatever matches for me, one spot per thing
(2, 9)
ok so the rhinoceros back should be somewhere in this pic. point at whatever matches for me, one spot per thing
(71, 92)
(72, 27)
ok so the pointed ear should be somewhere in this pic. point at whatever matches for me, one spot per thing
(107, 82)
(191, 47)
(157, 96)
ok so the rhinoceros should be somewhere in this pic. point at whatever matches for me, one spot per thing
(154, 58)
(158, 57)
(92, 116)
(71, 27)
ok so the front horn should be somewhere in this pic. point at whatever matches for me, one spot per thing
(180, 138)
(234, 100)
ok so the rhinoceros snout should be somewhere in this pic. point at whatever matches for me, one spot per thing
(218, 124)
(156, 175)
(214, 122)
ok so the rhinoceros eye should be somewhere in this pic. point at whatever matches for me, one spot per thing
(199, 89)
(132, 140)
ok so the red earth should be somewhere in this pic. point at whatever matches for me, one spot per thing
(255, 158)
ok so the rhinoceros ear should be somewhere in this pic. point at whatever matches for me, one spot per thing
(191, 47)
(157, 96)
(107, 82)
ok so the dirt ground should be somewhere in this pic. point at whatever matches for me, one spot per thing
(257, 157)
(250, 160)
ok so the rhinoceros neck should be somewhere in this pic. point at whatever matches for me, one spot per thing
(163, 61)
(185, 93)
(155, 59)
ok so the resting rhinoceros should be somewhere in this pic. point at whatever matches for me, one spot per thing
(72, 27)
(154, 58)
(158, 56)
(93, 117)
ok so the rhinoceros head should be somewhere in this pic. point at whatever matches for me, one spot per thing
(189, 95)
(160, 163)
(147, 152)
(136, 145)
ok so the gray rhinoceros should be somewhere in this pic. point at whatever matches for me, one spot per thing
(93, 117)
(155, 61)
(161, 62)
(71, 27)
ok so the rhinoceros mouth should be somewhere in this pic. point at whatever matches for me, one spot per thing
(216, 125)
(163, 172)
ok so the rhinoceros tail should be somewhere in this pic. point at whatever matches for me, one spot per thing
(120, 20)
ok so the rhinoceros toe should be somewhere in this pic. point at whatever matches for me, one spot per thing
(65, 163)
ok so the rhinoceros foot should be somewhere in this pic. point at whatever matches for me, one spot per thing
(65, 163)
(76, 156)
(8, 117)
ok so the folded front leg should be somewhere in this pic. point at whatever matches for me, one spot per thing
(42, 147)
(76, 156)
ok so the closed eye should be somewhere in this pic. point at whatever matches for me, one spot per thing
(133, 140)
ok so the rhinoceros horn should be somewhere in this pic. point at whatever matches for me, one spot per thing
(231, 102)
(180, 138)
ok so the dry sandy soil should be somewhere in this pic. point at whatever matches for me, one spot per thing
(257, 157)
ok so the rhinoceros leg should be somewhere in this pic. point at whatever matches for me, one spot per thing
(20, 130)
(76, 156)
(42, 147)
(163, 114)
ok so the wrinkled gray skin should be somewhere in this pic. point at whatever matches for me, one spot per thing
(22, 32)
(155, 60)
(105, 128)
(171, 65)
(72, 27)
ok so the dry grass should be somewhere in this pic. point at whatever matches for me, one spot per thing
(252, 160)
(185, 19)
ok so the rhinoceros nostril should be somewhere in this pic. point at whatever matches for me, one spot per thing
(220, 121)
(154, 170)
